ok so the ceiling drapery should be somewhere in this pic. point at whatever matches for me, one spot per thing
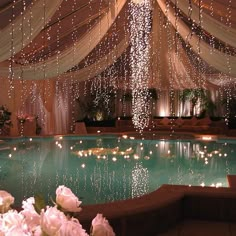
(65, 60)
(171, 68)
(210, 24)
(72, 55)
(20, 32)
(96, 68)
(219, 60)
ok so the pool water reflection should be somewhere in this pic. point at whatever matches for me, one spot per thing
(108, 168)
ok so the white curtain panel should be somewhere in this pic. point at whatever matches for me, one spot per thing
(18, 34)
(217, 59)
(58, 64)
(210, 24)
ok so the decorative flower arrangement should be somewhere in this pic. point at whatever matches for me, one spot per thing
(24, 117)
(5, 116)
(38, 219)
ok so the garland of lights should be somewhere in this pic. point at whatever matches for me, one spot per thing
(139, 61)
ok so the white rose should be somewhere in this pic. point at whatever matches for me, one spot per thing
(67, 200)
(32, 218)
(17, 231)
(38, 231)
(101, 226)
(51, 220)
(6, 200)
(72, 227)
(12, 218)
(13, 223)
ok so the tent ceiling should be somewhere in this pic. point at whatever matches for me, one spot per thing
(75, 18)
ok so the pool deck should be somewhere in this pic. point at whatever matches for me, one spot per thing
(170, 211)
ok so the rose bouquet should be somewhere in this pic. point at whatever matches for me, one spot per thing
(38, 219)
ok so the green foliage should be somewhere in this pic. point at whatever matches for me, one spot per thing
(153, 94)
(100, 104)
(194, 95)
(39, 203)
(230, 105)
(127, 97)
(5, 116)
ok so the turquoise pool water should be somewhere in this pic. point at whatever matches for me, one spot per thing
(107, 168)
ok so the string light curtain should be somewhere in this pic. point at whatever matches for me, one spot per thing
(209, 23)
(29, 24)
(223, 62)
(58, 64)
(171, 68)
(99, 66)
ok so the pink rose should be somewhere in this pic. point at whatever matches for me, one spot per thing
(101, 226)
(6, 200)
(51, 220)
(13, 223)
(67, 200)
(72, 227)
(32, 218)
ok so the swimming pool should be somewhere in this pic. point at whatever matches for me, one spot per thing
(107, 168)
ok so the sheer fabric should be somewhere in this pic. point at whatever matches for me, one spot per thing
(18, 34)
(72, 56)
(219, 60)
(100, 65)
(171, 66)
(211, 24)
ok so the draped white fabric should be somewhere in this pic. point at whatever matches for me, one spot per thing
(219, 60)
(56, 65)
(213, 26)
(18, 34)
(100, 65)
(171, 68)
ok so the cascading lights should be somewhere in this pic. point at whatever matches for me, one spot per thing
(140, 27)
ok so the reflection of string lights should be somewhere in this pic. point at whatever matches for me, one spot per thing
(140, 180)
(103, 152)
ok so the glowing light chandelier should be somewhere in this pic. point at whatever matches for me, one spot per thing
(140, 27)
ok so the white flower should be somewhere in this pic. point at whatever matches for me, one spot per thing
(71, 227)
(13, 223)
(17, 231)
(37, 231)
(12, 218)
(51, 220)
(32, 218)
(6, 200)
(101, 226)
(67, 200)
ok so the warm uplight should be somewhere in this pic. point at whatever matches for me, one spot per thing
(138, 1)
(206, 138)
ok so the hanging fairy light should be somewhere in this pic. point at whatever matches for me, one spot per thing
(140, 26)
